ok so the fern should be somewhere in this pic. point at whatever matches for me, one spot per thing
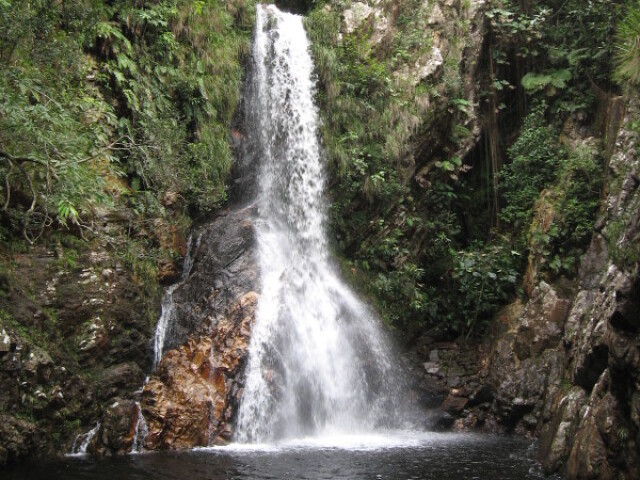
(549, 81)
(627, 58)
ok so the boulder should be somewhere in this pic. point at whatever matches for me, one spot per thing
(16, 438)
(454, 405)
(224, 268)
(354, 17)
(118, 427)
(192, 398)
(116, 381)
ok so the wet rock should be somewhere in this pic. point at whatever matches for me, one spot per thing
(168, 271)
(541, 323)
(16, 438)
(626, 312)
(192, 398)
(117, 380)
(454, 405)
(224, 268)
(483, 394)
(431, 393)
(595, 262)
(439, 421)
(558, 436)
(522, 389)
(588, 458)
(118, 427)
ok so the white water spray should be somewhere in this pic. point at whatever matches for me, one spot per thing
(317, 363)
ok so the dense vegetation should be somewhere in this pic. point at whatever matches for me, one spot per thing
(112, 105)
(443, 234)
(126, 105)
(114, 137)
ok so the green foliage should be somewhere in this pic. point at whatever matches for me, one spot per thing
(563, 50)
(179, 83)
(535, 159)
(486, 276)
(53, 149)
(562, 184)
(401, 201)
(402, 238)
(548, 81)
(627, 55)
(93, 92)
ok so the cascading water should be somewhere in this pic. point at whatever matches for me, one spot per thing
(167, 315)
(82, 442)
(168, 312)
(317, 360)
(140, 432)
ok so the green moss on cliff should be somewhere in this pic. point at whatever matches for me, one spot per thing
(433, 171)
(115, 121)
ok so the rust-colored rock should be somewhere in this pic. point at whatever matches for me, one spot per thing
(192, 398)
(454, 405)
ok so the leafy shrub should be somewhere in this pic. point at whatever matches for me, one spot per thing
(572, 179)
(575, 199)
(486, 276)
(627, 57)
(109, 101)
(536, 157)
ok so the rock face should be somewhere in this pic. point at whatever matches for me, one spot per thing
(223, 270)
(602, 336)
(74, 338)
(526, 369)
(565, 366)
(193, 396)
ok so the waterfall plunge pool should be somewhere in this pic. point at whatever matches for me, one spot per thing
(383, 456)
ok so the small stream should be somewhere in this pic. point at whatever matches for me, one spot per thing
(388, 456)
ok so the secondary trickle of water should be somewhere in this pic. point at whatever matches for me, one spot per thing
(168, 312)
(317, 360)
(167, 316)
(141, 432)
(82, 441)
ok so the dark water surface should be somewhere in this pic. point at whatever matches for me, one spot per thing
(418, 456)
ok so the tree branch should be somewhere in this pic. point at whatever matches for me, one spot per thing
(19, 160)
(7, 187)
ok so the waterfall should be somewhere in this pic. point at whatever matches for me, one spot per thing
(167, 316)
(82, 442)
(140, 432)
(318, 363)
(168, 308)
